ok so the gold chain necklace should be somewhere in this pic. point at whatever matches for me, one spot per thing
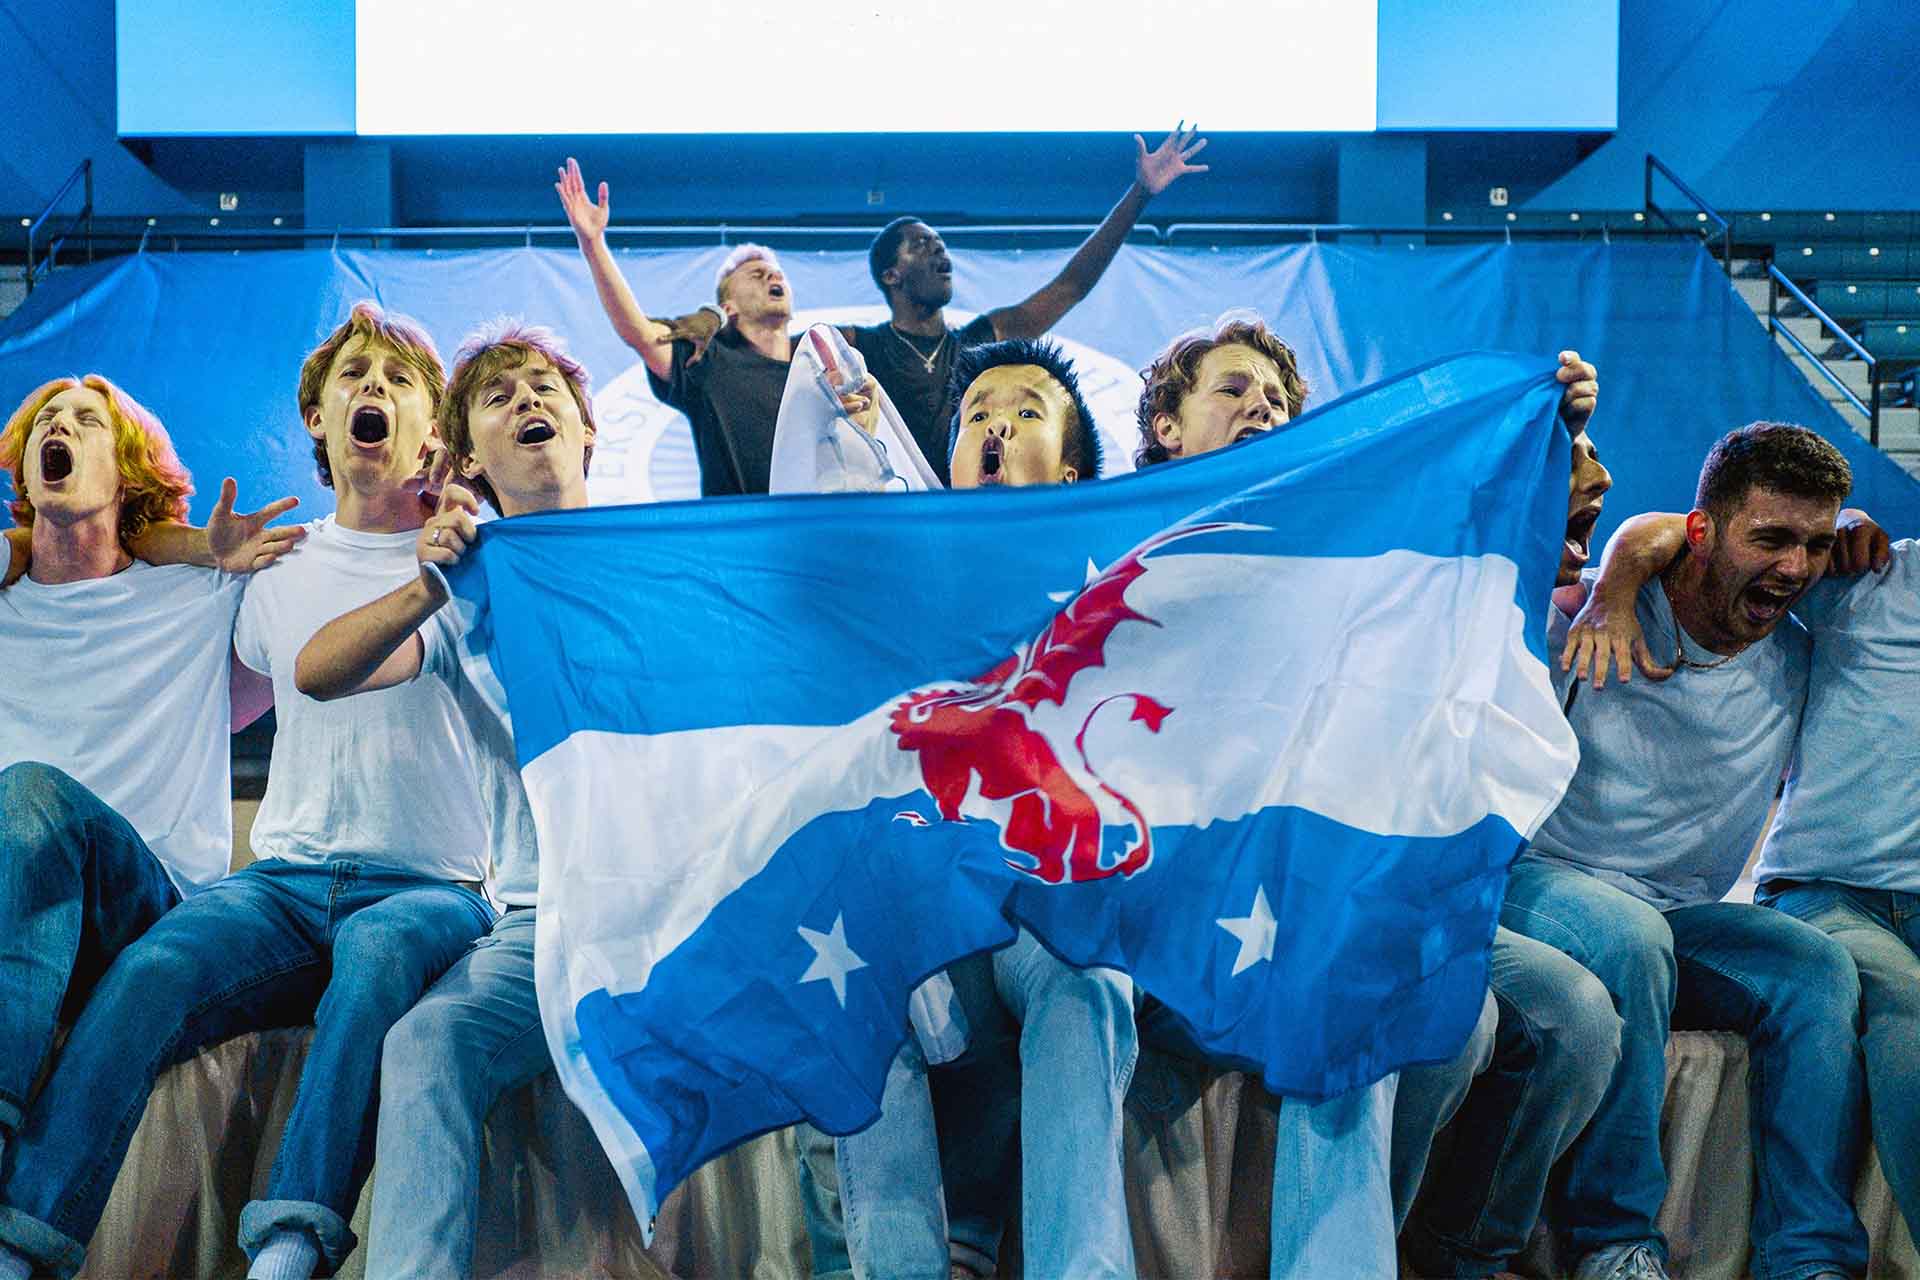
(928, 360)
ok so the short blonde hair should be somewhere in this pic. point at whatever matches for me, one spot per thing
(154, 487)
(368, 320)
(505, 344)
(737, 259)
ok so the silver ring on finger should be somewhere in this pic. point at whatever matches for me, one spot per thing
(435, 539)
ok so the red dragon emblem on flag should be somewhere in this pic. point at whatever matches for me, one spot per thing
(982, 731)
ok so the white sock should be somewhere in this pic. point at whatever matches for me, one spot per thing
(287, 1255)
(13, 1266)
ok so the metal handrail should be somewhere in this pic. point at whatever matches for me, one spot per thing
(1777, 280)
(727, 233)
(83, 174)
(1710, 213)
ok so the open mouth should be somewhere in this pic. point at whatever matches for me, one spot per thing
(992, 455)
(776, 291)
(944, 267)
(369, 425)
(1579, 543)
(1764, 603)
(56, 461)
(534, 431)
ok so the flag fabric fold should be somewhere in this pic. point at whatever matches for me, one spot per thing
(1265, 729)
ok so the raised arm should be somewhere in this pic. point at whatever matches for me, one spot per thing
(378, 645)
(238, 542)
(1153, 172)
(1606, 630)
(649, 338)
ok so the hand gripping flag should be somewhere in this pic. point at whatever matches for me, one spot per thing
(1264, 729)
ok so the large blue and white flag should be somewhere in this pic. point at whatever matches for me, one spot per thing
(1263, 728)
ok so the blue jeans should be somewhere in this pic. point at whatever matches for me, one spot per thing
(346, 944)
(473, 1037)
(1345, 1170)
(1555, 1052)
(1790, 989)
(77, 886)
(1881, 931)
(1067, 1035)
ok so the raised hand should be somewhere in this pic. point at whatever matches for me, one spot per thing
(1155, 170)
(1582, 383)
(241, 542)
(589, 220)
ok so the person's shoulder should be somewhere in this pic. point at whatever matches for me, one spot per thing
(976, 331)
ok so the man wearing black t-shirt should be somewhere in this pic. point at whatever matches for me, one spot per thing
(731, 391)
(911, 353)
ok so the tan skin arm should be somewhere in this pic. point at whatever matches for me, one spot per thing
(233, 541)
(378, 645)
(650, 339)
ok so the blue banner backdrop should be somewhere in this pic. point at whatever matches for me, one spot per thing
(212, 342)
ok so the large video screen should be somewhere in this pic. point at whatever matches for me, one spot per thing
(404, 68)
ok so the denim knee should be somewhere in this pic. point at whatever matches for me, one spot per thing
(44, 793)
(1826, 982)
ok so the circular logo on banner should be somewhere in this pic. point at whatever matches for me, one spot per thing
(643, 450)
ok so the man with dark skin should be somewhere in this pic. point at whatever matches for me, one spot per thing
(911, 352)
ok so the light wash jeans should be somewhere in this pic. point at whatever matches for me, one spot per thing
(77, 886)
(1073, 1032)
(473, 1037)
(1555, 1052)
(347, 944)
(1881, 931)
(1721, 966)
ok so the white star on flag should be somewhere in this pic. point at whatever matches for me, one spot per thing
(1256, 931)
(833, 959)
(1061, 597)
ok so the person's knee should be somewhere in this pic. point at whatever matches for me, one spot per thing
(45, 797)
(384, 960)
(1824, 985)
(1578, 1031)
(422, 1051)
(1633, 952)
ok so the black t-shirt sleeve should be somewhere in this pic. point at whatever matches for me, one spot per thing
(976, 331)
(681, 384)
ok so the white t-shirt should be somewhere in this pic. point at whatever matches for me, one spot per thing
(1675, 777)
(449, 652)
(122, 682)
(1851, 810)
(389, 776)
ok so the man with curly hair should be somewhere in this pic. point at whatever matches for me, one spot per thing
(113, 755)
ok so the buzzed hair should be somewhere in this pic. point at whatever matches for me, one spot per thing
(737, 259)
(1081, 448)
(1782, 457)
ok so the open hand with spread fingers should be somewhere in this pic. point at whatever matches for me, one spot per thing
(241, 542)
(588, 218)
(1155, 170)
